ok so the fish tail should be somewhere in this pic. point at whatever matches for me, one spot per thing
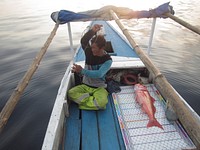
(154, 123)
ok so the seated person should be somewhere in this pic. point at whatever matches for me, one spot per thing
(91, 94)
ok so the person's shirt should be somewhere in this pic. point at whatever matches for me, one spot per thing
(96, 67)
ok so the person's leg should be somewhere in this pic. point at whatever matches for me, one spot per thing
(96, 101)
(79, 93)
(101, 96)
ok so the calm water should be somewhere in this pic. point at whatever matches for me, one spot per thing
(24, 27)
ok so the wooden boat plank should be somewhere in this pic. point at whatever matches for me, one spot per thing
(74, 112)
(73, 129)
(72, 140)
(89, 131)
(121, 62)
(107, 130)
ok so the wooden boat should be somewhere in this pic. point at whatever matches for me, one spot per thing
(122, 125)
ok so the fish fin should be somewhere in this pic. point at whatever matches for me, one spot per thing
(154, 123)
(154, 109)
(152, 99)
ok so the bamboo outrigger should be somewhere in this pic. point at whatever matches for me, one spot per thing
(187, 117)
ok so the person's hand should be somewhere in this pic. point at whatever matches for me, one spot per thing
(96, 27)
(76, 68)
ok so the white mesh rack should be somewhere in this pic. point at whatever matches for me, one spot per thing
(133, 123)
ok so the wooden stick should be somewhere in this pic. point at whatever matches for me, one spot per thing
(185, 24)
(186, 116)
(14, 98)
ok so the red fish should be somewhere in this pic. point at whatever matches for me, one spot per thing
(146, 101)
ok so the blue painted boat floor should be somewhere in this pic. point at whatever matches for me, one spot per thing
(93, 130)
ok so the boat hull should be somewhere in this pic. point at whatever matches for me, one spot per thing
(63, 125)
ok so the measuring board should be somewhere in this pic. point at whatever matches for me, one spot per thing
(133, 123)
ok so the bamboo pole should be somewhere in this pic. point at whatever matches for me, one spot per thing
(185, 24)
(187, 118)
(14, 98)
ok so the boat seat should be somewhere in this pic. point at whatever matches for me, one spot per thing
(88, 130)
